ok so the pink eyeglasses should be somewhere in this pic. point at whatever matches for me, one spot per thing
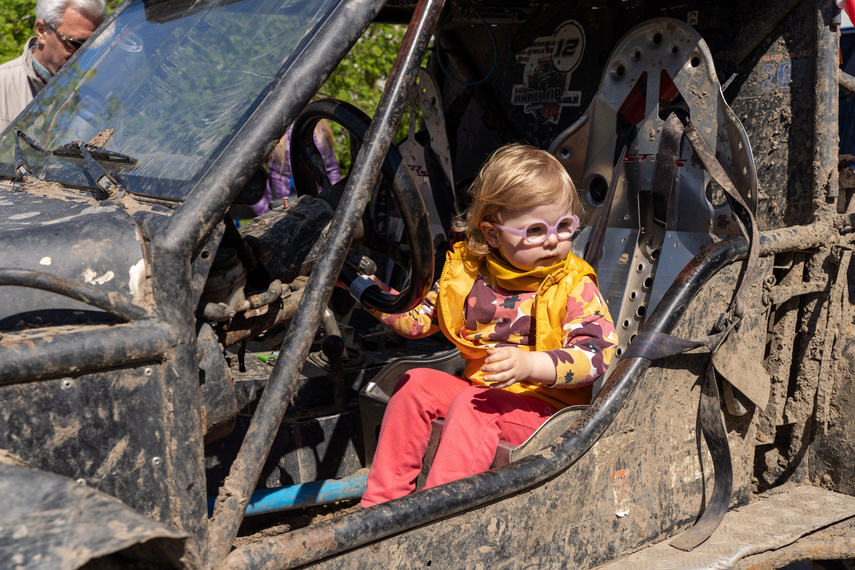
(539, 231)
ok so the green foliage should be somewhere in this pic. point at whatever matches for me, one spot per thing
(360, 77)
(17, 18)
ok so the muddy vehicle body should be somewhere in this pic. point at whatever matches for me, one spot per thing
(703, 138)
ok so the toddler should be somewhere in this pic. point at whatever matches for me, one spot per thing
(526, 315)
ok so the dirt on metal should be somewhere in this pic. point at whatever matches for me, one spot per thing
(260, 527)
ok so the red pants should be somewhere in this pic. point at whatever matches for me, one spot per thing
(476, 418)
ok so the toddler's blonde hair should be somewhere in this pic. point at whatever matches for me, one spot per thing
(516, 177)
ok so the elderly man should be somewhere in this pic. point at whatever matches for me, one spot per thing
(61, 28)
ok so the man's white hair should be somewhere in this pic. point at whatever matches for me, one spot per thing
(52, 11)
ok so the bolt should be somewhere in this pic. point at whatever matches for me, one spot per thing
(67, 384)
(81, 481)
(155, 461)
(148, 372)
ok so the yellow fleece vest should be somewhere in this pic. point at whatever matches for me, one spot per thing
(550, 307)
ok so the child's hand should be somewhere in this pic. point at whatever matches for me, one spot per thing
(509, 365)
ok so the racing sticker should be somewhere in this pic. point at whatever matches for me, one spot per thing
(784, 71)
(620, 486)
(549, 62)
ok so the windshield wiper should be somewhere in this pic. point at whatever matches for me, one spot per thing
(109, 185)
(22, 167)
(78, 149)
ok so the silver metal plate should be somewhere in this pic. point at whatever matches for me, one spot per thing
(660, 63)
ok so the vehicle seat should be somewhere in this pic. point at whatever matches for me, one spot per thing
(665, 208)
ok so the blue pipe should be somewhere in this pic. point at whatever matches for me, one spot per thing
(302, 495)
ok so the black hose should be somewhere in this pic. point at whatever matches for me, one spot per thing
(74, 290)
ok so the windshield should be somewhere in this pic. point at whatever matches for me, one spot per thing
(167, 83)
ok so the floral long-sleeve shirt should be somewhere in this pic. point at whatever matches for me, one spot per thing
(496, 317)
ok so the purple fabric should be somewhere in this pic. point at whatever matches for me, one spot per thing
(279, 183)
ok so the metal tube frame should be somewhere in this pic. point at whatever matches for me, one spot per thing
(188, 229)
(351, 531)
(246, 469)
(106, 347)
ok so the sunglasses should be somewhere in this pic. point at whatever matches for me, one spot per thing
(70, 43)
(539, 231)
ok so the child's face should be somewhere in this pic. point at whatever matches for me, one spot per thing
(515, 250)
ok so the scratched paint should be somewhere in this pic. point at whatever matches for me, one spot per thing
(783, 71)
(688, 468)
(136, 279)
(91, 277)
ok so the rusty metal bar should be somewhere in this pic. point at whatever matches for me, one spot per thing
(780, 295)
(827, 379)
(105, 346)
(846, 81)
(826, 146)
(237, 490)
(800, 238)
(184, 460)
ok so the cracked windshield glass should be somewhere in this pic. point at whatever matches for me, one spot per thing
(165, 85)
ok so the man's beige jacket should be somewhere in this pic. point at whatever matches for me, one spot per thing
(19, 83)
